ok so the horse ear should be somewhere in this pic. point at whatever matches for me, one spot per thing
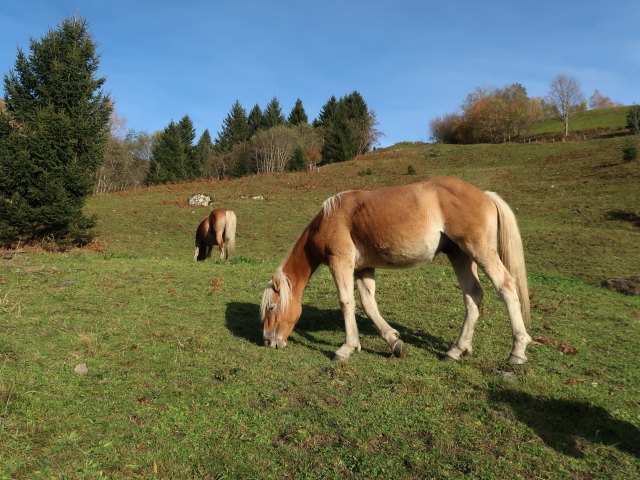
(275, 282)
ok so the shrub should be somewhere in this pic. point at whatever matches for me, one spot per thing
(633, 119)
(629, 153)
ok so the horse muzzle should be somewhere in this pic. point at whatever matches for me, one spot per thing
(274, 341)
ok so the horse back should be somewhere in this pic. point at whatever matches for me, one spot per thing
(402, 226)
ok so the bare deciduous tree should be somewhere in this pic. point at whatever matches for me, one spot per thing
(565, 93)
(597, 101)
(272, 148)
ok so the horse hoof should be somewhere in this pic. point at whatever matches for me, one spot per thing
(399, 349)
(338, 358)
(515, 360)
(448, 358)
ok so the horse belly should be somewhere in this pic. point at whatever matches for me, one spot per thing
(399, 252)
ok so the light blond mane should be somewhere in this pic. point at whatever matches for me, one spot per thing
(269, 293)
(332, 203)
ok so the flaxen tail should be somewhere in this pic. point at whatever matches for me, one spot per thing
(230, 232)
(511, 251)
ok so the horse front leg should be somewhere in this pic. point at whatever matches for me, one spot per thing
(343, 278)
(365, 280)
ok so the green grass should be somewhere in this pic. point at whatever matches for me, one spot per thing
(597, 120)
(179, 386)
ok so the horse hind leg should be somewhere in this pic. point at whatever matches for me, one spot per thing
(505, 285)
(467, 275)
(365, 280)
(221, 246)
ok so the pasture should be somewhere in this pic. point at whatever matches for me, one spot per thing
(179, 385)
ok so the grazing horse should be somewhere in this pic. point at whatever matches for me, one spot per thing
(219, 228)
(400, 227)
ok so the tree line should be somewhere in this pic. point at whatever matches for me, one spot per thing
(494, 115)
(263, 141)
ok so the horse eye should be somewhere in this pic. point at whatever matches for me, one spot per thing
(271, 308)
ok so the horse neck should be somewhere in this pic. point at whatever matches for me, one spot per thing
(300, 264)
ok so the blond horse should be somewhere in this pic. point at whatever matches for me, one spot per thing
(400, 227)
(219, 228)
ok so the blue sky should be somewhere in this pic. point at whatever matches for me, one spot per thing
(411, 60)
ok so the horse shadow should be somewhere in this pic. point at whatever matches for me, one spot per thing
(243, 320)
(559, 423)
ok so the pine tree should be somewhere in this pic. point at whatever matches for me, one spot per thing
(298, 115)
(52, 137)
(327, 113)
(273, 114)
(203, 152)
(340, 143)
(193, 167)
(235, 129)
(297, 162)
(171, 155)
(255, 120)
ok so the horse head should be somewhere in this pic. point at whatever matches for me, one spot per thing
(278, 313)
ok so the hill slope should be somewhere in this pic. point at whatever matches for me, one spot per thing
(177, 383)
(576, 202)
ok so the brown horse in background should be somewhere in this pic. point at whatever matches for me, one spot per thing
(400, 227)
(219, 228)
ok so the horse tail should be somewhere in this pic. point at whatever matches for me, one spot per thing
(511, 251)
(230, 232)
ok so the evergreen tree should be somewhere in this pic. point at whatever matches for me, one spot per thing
(242, 160)
(298, 115)
(53, 134)
(327, 113)
(340, 143)
(173, 157)
(193, 167)
(203, 153)
(255, 120)
(235, 129)
(297, 162)
(273, 114)
(347, 125)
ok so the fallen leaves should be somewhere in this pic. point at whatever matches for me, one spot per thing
(564, 347)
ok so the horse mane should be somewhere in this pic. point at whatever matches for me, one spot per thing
(284, 287)
(284, 284)
(332, 203)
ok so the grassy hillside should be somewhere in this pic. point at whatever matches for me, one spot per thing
(606, 120)
(179, 386)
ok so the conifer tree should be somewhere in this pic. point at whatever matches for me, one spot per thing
(347, 125)
(203, 153)
(53, 134)
(235, 129)
(173, 157)
(192, 164)
(297, 162)
(340, 143)
(298, 115)
(273, 114)
(255, 120)
(327, 113)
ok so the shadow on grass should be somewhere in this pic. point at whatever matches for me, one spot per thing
(243, 320)
(560, 422)
(632, 217)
